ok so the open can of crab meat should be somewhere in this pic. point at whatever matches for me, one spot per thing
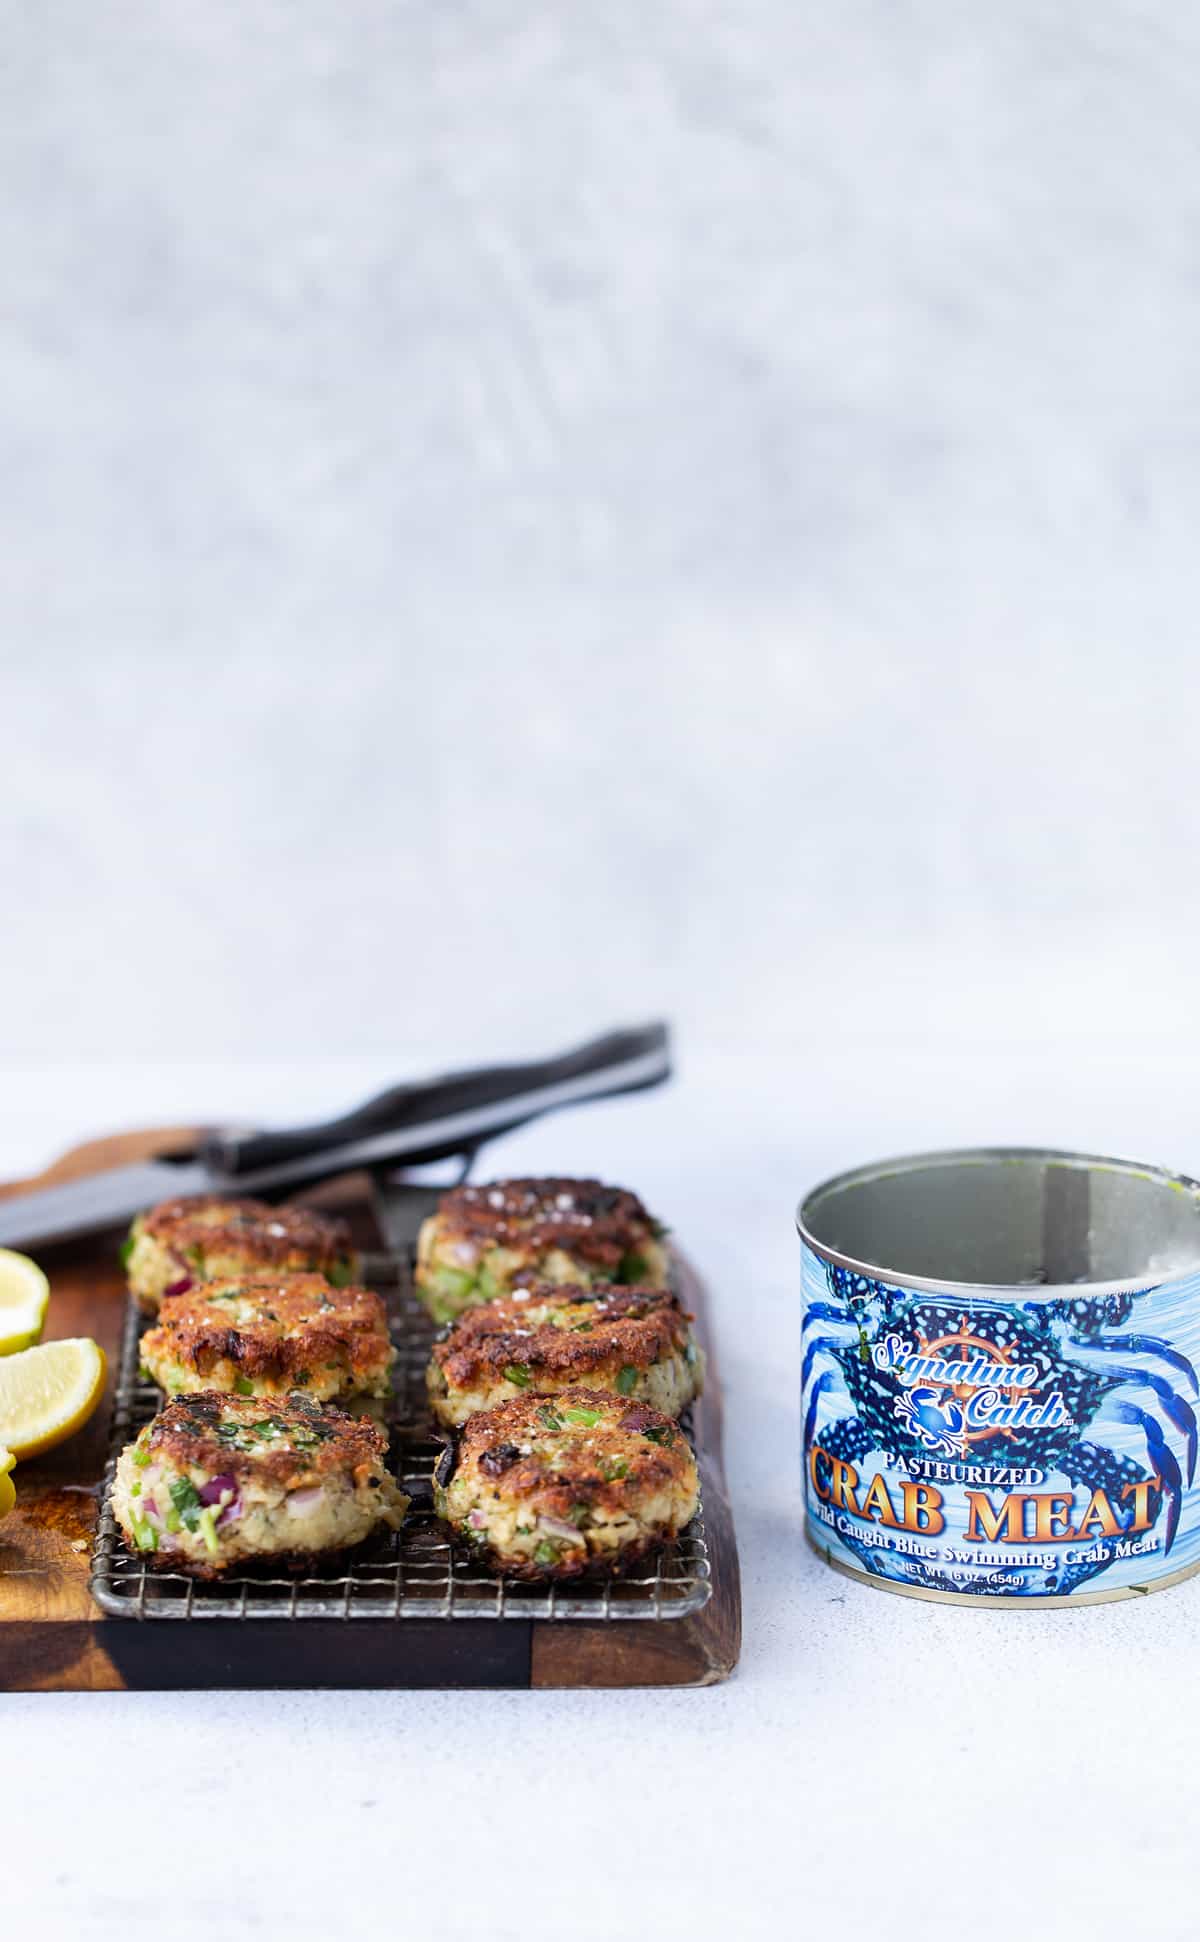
(1000, 1375)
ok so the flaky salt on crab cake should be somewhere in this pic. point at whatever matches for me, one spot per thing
(484, 1240)
(268, 1335)
(205, 1236)
(217, 1481)
(636, 1342)
(562, 1486)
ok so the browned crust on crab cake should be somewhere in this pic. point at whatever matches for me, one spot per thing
(266, 1235)
(272, 1327)
(232, 1434)
(218, 1483)
(626, 1327)
(584, 1474)
(598, 1223)
(279, 1564)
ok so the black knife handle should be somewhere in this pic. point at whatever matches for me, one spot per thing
(411, 1106)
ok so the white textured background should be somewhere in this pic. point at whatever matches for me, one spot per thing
(562, 512)
(517, 516)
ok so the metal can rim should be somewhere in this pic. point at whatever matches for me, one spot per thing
(974, 1156)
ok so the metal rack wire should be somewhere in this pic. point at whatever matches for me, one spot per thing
(418, 1572)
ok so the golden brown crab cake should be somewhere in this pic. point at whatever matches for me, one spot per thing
(206, 1236)
(484, 1240)
(267, 1335)
(217, 1481)
(556, 1486)
(635, 1342)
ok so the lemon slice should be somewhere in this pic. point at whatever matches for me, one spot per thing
(8, 1495)
(47, 1393)
(24, 1292)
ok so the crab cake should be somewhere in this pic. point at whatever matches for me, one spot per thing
(268, 1335)
(217, 1481)
(555, 1486)
(484, 1240)
(635, 1342)
(181, 1242)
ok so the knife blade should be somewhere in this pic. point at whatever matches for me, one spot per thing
(400, 1206)
(407, 1124)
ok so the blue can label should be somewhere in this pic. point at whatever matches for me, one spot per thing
(1008, 1447)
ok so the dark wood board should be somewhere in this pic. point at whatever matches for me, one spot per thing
(55, 1638)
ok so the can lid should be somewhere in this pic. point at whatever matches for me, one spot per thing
(1045, 1222)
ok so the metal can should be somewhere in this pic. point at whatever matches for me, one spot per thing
(999, 1375)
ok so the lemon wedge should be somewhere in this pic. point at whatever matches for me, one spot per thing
(47, 1393)
(24, 1292)
(8, 1495)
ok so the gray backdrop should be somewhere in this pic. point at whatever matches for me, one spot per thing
(516, 516)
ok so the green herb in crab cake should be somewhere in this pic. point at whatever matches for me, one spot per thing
(205, 1236)
(635, 1341)
(270, 1334)
(585, 1482)
(218, 1481)
(484, 1240)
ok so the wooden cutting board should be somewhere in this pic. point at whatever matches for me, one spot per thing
(54, 1637)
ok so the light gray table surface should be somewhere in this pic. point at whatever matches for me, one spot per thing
(1029, 1770)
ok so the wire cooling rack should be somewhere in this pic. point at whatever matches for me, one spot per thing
(419, 1572)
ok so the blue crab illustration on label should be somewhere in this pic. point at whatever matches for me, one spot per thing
(1007, 1443)
(937, 1424)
